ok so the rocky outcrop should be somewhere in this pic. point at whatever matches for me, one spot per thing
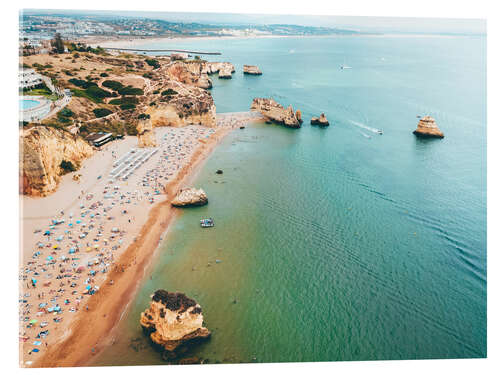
(321, 120)
(42, 149)
(190, 197)
(252, 70)
(225, 69)
(274, 111)
(427, 128)
(180, 104)
(145, 133)
(189, 73)
(173, 322)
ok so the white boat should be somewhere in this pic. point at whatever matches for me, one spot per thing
(345, 66)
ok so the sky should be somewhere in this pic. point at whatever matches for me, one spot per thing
(365, 24)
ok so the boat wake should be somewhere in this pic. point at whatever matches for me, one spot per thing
(366, 127)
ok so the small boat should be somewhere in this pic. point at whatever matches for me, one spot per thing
(344, 66)
(380, 132)
(207, 223)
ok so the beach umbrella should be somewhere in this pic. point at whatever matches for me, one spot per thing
(55, 246)
(33, 321)
(47, 233)
(80, 269)
(88, 287)
(71, 251)
(78, 221)
(96, 246)
(70, 224)
(89, 249)
(50, 257)
(60, 238)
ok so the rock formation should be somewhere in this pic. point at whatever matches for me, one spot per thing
(298, 114)
(252, 70)
(225, 69)
(190, 197)
(181, 105)
(321, 120)
(276, 112)
(42, 149)
(173, 322)
(189, 73)
(145, 133)
(427, 128)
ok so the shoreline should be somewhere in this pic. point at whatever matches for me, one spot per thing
(107, 307)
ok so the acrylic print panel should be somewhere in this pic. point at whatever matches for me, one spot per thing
(202, 190)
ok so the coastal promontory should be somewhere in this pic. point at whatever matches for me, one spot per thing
(427, 128)
(173, 322)
(190, 197)
(321, 120)
(274, 111)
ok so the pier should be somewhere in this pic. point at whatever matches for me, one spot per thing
(163, 50)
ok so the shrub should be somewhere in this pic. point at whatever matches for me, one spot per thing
(66, 112)
(101, 112)
(148, 75)
(93, 93)
(104, 75)
(143, 116)
(130, 90)
(81, 83)
(154, 63)
(127, 106)
(124, 100)
(169, 92)
(67, 166)
(114, 85)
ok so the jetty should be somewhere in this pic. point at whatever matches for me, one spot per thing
(163, 50)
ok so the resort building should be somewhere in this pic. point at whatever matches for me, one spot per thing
(28, 79)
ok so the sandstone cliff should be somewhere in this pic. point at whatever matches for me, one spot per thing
(190, 197)
(145, 133)
(427, 128)
(190, 74)
(252, 70)
(276, 112)
(321, 120)
(181, 104)
(173, 321)
(42, 149)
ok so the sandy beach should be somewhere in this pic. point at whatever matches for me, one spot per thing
(86, 247)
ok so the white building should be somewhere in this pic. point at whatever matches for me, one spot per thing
(28, 78)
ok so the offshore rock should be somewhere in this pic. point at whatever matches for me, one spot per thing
(225, 69)
(145, 133)
(427, 128)
(42, 149)
(252, 70)
(274, 111)
(321, 120)
(190, 197)
(173, 322)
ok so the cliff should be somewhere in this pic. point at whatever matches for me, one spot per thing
(173, 322)
(42, 149)
(427, 128)
(190, 74)
(145, 133)
(180, 104)
(252, 70)
(190, 197)
(276, 112)
(321, 120)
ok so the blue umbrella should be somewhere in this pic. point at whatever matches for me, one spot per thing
(88, 287)
(50, 257)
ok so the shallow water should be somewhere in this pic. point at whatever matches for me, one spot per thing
(337, 243)
(27, 104)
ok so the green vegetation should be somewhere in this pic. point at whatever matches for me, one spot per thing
(144, 116)
(130, 90)
(124, 100)
(130, 129)
(152, 62)
(148, 75)
(39, 90)
(169, 92)
(127, 106)
(114, 85)
(63, 116)
(104, 74)
(67, 166)
(101, 112)
(57, 44)
(93, 93)
(82, 47)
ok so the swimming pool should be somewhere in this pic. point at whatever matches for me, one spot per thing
(28, 104)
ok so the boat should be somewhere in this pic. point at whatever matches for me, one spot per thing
(344, 66)
(207, 223)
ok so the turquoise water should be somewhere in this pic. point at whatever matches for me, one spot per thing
(28, 104)
(334, 245)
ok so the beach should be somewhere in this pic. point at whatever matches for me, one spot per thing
(81, 270)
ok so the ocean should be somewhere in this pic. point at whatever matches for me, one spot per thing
(336, 244)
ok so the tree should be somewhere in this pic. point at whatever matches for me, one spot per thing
(58, 43)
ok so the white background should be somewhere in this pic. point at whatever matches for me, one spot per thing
(9, 208)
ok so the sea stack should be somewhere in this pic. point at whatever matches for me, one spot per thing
(427, 128)
(173, 322)
(251, 70)
(274, 111)
(321, 120)
(190, 197)
(145, 133)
